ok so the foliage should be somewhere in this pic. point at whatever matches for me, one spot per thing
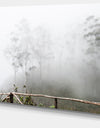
(21, 98)
(28, 100)
(52, 106)
(15, 88)
(92, 36)
(41, 105)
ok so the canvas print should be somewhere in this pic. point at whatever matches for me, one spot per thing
(50, 56)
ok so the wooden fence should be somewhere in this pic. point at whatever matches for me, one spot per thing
(11, 96)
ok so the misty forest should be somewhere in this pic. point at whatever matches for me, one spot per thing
(56, 57)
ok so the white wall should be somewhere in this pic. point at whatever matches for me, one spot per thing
(31, 2)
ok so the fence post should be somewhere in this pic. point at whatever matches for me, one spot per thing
(56, 103)
(11, 98)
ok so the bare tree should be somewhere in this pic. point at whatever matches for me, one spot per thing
(20, 49)
(12, 53)
(42, 47)
(92, 36)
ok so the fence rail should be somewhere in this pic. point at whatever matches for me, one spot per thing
(10, 95)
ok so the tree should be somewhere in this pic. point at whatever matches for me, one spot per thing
(92, 37)
(20, 51)
(92, 34)
(42, 47)
(12, 52)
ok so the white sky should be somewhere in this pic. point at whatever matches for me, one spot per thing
(55, 17)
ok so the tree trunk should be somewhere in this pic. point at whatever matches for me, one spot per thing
(40, 71)
(26, 77)
(15, 75)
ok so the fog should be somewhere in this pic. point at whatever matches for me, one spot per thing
(50, 50)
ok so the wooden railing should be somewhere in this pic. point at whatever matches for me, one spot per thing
(15, 94)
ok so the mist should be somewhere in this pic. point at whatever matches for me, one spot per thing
(47, 49)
